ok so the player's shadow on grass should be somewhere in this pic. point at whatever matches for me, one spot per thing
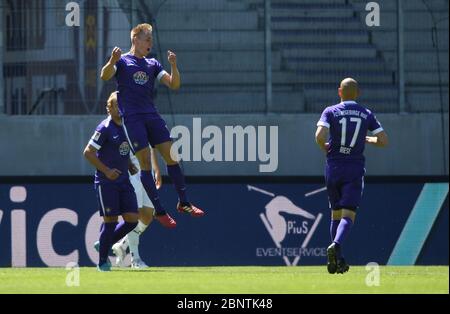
(158, 270)
(140, 270)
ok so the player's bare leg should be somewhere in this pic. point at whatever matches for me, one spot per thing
(349, 214)
(336, 216)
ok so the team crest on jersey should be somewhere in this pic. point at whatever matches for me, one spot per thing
(124, 148)
(140, 77)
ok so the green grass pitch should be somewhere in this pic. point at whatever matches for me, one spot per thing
(224, 280)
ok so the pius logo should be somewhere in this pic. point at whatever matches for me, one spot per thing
(290, 227)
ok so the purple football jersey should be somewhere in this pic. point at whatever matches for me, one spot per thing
(135, 83)
(112, 149)
(348, 123)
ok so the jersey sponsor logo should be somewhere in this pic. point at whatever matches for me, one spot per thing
(124, 149)
(140, 77)
(96, 136)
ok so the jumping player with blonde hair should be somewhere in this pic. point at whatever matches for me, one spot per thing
(136, 75)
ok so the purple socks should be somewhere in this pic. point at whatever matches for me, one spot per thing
(175, 173)
(150, 188)
(343, 230)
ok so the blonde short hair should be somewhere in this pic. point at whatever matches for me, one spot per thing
(139, 29)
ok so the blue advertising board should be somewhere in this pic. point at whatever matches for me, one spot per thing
(52, 224)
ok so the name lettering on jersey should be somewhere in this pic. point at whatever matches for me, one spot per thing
(345, 150)
(355, 113)
(140, 77)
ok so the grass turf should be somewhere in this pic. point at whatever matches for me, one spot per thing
(224, 280)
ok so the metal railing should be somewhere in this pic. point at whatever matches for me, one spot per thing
(234, 56)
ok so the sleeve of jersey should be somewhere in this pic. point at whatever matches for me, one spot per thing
(159, 71)
(99, 137)
(118, 66)
(324, 119)
(374, 126)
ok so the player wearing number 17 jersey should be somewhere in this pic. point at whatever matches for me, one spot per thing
(347, 125)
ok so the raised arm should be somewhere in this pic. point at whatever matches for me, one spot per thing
(109, 70)
(172, 81)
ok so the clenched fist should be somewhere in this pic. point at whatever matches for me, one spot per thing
(115, 55)
(172, 57)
